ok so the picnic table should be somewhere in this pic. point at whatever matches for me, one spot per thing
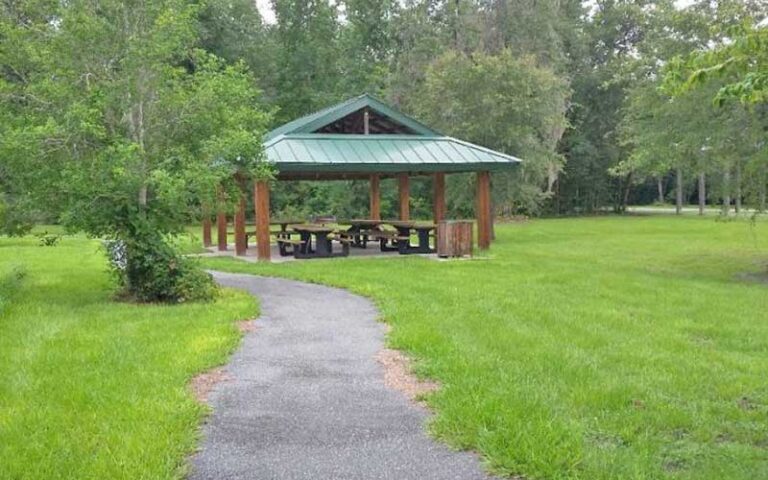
(321, 247)
(248, 234)
(283, 229)
(423, 232)
(360, 230)
(285, 223)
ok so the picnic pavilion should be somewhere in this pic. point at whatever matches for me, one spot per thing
(363, 138)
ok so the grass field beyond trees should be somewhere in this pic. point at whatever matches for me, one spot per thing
(586, 348)
(90, 388)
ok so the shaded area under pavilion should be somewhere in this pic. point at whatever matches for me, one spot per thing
(363, 138)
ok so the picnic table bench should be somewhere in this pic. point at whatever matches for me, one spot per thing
(364, 230)
(322, 246)
(361, 230)
(423, 233)
(283, 229)
(288, 246)
(316, 240)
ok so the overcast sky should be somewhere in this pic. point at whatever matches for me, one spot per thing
(266, 10)
(269, 16)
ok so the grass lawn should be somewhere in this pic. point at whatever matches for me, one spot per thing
(596, 348)
(93, 389)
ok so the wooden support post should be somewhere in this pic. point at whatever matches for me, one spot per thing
(366, 122)
(438, 199)
(262, 220)
(240, 240)
(375, 192)
(405, 196)
(484, 215)
(221, 223)
(207, 242)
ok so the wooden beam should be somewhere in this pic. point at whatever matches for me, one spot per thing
(438, 198)
(221, 230)
(483, 210)
(221, 221)
(375, 194)
(405, 196)
(366, 122)
(207, 241)
(262, 220)
(240, 241)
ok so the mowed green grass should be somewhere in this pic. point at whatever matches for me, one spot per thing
(598, 348)
(95, 389)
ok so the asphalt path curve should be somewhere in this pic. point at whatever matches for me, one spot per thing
(305, 398)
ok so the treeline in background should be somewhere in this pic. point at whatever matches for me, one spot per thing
(575, 88)
(580, 90)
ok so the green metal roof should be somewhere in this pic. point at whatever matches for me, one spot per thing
(298, 148)
(314, 121)
(333, 153)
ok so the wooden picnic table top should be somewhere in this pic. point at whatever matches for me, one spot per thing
(312, 228)
(409, 224)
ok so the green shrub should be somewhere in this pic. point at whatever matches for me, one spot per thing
(48, 239)
(15, 216)
(149, 269)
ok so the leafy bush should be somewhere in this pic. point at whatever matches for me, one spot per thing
(48, 239)
(14, 216)
(148, 269)
(10, 281)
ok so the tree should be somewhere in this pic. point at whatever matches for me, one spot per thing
(737, 65)
(740, 59)
(124, 126)
(505, 103)
(620, 37)
(235, 31)
(366, 45)
(545, 29)
(307, 38)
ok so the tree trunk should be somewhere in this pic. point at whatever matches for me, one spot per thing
(679, 191)
(761, 189)
(627, 189)
(702, 193)
(456, 21)
(738, 188)
(660, 188)
(726, 192)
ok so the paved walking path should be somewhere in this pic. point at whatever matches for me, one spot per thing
(307, 400)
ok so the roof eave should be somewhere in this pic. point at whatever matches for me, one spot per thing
(353, 168)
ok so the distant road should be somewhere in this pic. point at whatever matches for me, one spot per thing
(687, 210)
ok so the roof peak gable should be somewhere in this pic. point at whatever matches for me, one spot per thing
(322, 118)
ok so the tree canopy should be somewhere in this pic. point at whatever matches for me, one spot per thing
(118, 123)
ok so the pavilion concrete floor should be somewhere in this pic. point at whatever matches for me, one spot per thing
(372, 251)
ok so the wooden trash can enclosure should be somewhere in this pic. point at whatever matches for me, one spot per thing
(454, 238)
